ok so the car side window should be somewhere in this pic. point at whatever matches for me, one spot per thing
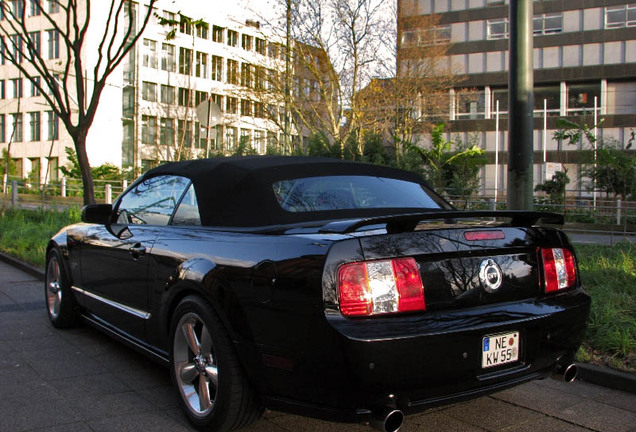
(188, 211)
(152, 201)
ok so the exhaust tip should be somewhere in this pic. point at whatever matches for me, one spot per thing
(389, 420)
(565, 373)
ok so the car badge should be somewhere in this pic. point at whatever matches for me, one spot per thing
(490, 275)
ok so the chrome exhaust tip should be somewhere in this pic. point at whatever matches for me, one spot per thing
(565, 373)
(388, 420)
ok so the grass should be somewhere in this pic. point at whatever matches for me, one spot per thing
(608, 274)
(24, 233)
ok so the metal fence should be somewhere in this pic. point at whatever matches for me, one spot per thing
(69, 192)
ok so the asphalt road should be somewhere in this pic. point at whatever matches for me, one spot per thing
(80, 380)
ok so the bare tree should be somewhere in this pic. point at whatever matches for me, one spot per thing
(416, 96)
(64, 82)
(334, 46)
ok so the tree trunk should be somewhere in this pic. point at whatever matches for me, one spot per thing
(85, 168)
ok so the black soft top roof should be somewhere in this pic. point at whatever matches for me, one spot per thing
(237, 191)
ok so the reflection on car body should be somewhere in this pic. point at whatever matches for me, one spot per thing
(332, 289)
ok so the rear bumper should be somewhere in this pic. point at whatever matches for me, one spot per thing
(413, 363)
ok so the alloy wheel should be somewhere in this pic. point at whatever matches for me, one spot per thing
(196, 370)
(53, 288)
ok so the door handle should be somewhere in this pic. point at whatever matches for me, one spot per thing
(137, 250)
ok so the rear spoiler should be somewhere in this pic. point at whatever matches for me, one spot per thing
(408, 222)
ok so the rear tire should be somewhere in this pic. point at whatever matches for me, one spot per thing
(205, 370)
(61, 305)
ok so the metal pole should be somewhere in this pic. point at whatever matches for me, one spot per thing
(207, 131)
(496, 151)
(545, 139)
(595, 146)
(520, 108)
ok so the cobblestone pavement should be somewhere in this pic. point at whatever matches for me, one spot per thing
(80, 380)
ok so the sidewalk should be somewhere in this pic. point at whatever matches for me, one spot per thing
(80, 380)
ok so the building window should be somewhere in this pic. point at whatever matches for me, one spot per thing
(259, 46)
(246, 75)
(202, 30)
(246, 42)
(17, 8)
(54, 6)
(167, 94)
(218, 100)
(232, 71)
(16, 88)
(2, 89)
(581, 97)
(272, 50)
(433, 36)
(149, 91)
(620, 16)
(35, 86)
(232, 105)
(498, 29)
(150, 54)
(551, 94)
(185, 25)
(53, 126)
(167, 57)
(167, 131)
(184, 133)
(230, 138)
(34, 125)
(3, 137)
(169, 16)
(34, 174)
(201, 68)
(16, 42)
(471, 104)
(232, 38)
(34, 38)
(185, 97)
(148, 129)
(217, 68)
(246, 108)
(34, 7)
(16, 122)
(217, 34)
(547, 24)
(53, 168)
(53, 43)
(185, 61)
(200, 96)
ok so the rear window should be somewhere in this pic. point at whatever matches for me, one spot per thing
(350, 192)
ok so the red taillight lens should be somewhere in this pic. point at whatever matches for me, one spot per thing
(559, 269)
(409, 285)
(380, 287)
(353, 289)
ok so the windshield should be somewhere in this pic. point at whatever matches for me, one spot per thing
(350, 192)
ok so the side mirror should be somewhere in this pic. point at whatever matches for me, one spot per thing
(97, 213)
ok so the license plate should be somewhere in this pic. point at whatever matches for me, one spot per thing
(499, 349)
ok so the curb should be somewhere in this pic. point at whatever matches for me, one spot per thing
(607, 377)
(593, 374)
(21, 265)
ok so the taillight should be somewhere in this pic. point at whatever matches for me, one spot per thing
(559, 269)
(380, 287)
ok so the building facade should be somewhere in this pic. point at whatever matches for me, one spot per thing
(584, 71)
(147, 113)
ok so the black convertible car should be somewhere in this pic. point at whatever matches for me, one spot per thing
(331, 289)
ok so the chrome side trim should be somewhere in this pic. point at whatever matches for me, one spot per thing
(136, 312)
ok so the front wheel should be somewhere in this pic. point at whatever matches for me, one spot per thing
(61, 306)
(205, 371)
